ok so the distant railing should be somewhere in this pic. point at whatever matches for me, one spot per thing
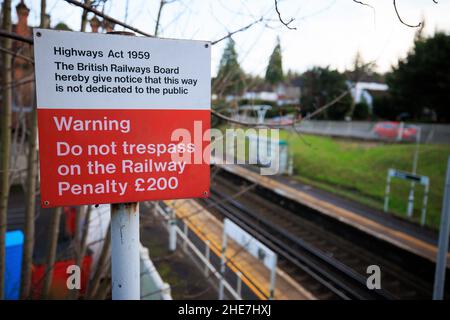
(430, 133)
(366, 130)
(204, 255)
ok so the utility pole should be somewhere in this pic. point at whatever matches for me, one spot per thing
(441, 259)
(84, 16)
(5, 142)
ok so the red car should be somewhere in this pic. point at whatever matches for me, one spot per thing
(390, 130)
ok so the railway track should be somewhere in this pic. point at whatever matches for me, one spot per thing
(323, 261)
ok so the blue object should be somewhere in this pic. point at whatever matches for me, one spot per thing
(14, 248)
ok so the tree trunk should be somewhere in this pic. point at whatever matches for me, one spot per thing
(5, 142)
(105, 286)
(87, 219)
(30, 207)
(77, 242)
(80, 243)
(51, 251)
(84, 17)
(102, 263)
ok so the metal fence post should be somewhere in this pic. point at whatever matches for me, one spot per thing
(239, 284)
(223, 266)
(424, 206)
(386, 195)
(125, 263)
(400, 131)
(273, 276)
(414, 171)
(185, 231)
(441, 259)
(172, 231)
(207, 254)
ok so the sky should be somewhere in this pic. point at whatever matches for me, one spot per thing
(328, 32)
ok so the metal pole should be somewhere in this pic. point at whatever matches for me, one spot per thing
(441, 259)
(125, 264)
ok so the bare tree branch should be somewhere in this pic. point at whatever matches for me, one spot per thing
(15, 36)
(161, 5)
(84, 19)
(400, 19)
(108, 18)
(281, 19)
(363, 3)
(17, 55)
(238, 30)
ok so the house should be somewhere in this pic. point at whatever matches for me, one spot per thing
(23, 74)
(284, 93)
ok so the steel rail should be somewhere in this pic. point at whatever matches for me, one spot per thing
(340, 274)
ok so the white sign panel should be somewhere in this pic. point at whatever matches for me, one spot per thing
(252, 245)
(81, 71)
(121, 118)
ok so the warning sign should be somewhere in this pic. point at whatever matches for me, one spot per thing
(121, 119)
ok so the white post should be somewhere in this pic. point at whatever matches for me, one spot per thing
(239, 284)
(414, 171)
(386, 195)
(223, 265)
(172, 231)
(185, 231)
(207, 256)
(410, 207)
(425, 202)
(125, 263)
(273, 275)
(400, 131)
(441, 259)
(261, 114)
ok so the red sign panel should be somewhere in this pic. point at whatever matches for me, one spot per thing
(121, 125)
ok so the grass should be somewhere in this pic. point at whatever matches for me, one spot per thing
(358, 170)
